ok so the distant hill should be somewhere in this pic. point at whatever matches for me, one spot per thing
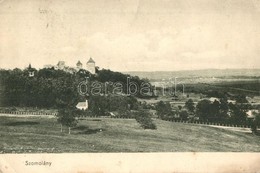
(217, 73)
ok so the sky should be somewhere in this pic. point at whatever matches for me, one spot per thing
(131, 35)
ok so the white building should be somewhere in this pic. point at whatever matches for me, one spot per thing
(212, 99)
(82, 105)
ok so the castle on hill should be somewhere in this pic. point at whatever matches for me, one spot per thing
(90, 66)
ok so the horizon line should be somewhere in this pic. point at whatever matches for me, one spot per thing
(151, 70)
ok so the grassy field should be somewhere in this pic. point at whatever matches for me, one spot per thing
(42, 135)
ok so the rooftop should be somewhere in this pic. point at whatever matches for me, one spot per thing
(61, 63)
(81, 104)
(91, 60)
(79, 63)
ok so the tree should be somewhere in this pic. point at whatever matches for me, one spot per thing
(214, 110)
(163, 109)
(98, 105)
(241, 99)
(190, 105)
(223, 108)
(238, 113)
(67, 117)
(184, 115)
(255, 123)
(203, 109)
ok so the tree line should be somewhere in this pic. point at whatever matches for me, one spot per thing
(220, 111)
(51, 88)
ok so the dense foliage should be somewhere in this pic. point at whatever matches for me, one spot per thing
(190, 105)
(256, 123)
(222, 111)
(163, 110)
(50, 88)
(100, 105)
(145, 120)
(218, 111)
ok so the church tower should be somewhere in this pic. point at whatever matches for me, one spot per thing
(91, 66)
(31, 71)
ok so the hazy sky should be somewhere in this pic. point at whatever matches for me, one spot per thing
(131, 35)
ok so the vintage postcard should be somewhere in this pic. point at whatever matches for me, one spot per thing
(129, 86)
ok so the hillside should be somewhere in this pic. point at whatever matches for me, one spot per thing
(37, 135)
(224, 73)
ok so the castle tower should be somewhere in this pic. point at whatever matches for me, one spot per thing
(79, 65)
(91, 66)
(61, 65)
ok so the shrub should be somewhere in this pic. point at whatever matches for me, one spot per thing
(145, 120)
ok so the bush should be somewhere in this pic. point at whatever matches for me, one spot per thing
(145, 120)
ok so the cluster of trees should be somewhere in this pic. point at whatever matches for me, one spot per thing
(208, 111)
(100, 105)
(222, 111)
(50, 88)
(205, 110)
(165, 111)
(120, 78)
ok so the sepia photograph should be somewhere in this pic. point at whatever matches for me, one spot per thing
(154, 79)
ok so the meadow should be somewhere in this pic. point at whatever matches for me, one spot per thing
(43, 135)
